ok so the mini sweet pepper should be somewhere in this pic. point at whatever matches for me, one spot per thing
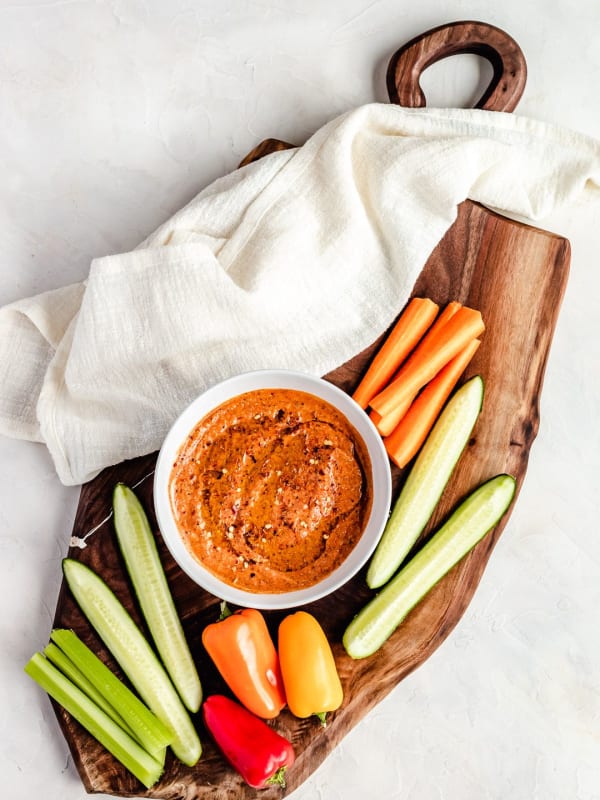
(242, 649)
(310, 677)
(253, 748)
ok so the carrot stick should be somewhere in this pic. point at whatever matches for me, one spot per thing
(375, 419)
(408, 437)
(405, 335)
(432, 338)
(386, 424)
(428, 359)
(449, 311)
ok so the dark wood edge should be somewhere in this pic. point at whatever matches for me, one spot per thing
(501, 50)
(265, 148)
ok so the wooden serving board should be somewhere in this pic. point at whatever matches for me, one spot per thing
(516, 276)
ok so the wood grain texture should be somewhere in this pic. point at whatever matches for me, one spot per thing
(516, 276)
(266, 147)
(504, 54)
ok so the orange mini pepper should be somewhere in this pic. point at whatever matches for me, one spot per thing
(310, 677)
(242, 649)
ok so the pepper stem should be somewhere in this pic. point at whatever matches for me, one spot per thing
(225, 612)
(277, 777)
(322, 716)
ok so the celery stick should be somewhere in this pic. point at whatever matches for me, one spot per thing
(145, 726)
(125, 749)
(148, 577)
(137, 659)
(69, 670)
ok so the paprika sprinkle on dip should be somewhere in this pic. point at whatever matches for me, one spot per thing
(271, 490)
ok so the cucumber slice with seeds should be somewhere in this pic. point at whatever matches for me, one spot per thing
(137, 659)
(125, 749)
(477, 515)
(426, 481)
(145, 726)
(148, 577)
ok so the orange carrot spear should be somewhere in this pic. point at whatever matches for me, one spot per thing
(405, 335)
(408, 436)
(428, 359)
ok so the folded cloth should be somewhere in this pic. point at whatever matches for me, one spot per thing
(297, 261)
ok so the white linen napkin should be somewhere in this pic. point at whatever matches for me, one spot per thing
(297, 261)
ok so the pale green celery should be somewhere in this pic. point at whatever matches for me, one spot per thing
(54, 654)
(119, 743)
(150, 732)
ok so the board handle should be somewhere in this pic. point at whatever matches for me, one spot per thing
(408, 63)
(504, 54)
(265, 148)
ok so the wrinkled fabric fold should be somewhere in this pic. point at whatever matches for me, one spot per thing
(297, 261)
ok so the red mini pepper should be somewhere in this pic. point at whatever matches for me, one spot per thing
(242, 649)
(253, 748)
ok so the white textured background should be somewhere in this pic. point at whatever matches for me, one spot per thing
(113, 114)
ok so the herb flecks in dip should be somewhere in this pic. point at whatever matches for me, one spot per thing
(271, 490)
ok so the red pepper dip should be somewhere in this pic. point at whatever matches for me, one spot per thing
(272, 490)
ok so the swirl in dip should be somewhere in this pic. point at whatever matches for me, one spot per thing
(271, 490)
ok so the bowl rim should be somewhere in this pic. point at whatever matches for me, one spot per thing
(273, 379)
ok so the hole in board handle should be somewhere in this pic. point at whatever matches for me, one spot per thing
(457, 81)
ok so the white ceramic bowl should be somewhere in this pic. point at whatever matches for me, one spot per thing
(273, 379)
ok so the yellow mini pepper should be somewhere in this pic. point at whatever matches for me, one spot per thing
(310, 677)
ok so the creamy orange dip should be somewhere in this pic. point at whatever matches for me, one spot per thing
(271, 490)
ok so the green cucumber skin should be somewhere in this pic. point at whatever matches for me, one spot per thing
(426, 481)
(107, 614)
(139, 548)
(147, 729)
(481, 511)
(110, 735)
